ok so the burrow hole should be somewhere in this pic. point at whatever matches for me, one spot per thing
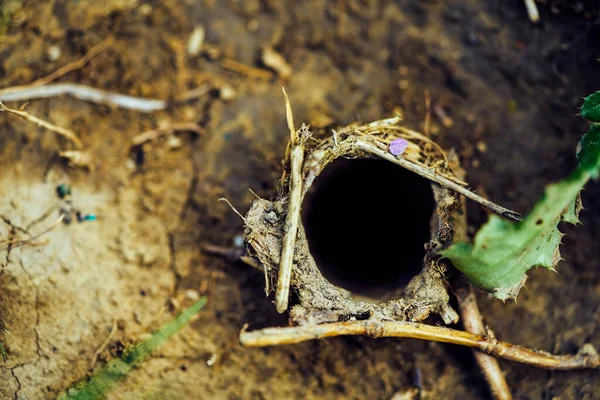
(367, 222)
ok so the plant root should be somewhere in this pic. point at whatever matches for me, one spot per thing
(473, 322)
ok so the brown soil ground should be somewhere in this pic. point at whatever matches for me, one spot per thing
(512, 90)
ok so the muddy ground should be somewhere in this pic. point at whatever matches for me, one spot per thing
(512, 90)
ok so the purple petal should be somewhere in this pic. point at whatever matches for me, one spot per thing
(398, 146)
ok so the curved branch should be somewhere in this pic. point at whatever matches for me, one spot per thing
(488, 344)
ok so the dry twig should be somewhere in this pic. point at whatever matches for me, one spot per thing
(155, 133)
(473, 322)
(427, 122)
(98, 96)
(78, 159)
(61, 131)
(441, 180)
(17, 242)
(293, 214)
(112, 332)
(488, 344)
(532, 11)
(94, 51)
(245, 69)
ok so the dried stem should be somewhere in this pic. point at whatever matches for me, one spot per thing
(427, 122)
(112, 332)
(98, 96)
(473, 322)
(94, 51)
(445, 182)
(61, 131)
(532, 11)
(17, 242)
(488, 344)
(155, 133)
(293, 214)
(245, 69)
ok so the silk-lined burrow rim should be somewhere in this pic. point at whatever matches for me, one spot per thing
(322, 291)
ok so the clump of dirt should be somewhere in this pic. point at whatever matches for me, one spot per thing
(503, 94)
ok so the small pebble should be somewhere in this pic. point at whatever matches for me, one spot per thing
(398, 146)
(192, 295)
(271, 217)
(174, 142)
(238, 241)
(403, 84)
(252, 25)
(482, 147)
(227, 93)
(196, 40)
(130, 164)
(145, 9)
(53, 53)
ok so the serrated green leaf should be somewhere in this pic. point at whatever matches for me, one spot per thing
(503, 251)
(591, 107)
(588, 147)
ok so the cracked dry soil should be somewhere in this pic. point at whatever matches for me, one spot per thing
(510, 88)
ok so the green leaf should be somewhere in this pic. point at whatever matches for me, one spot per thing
(3, 352)
(503, 251)
(102, 382)
(591, 107)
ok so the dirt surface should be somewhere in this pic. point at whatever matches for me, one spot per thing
(511, 89)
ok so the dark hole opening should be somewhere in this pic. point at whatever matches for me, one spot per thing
(367, 222)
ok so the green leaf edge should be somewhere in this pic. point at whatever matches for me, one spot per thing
(504, 284)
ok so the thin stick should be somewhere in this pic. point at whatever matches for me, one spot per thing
(97, 96)
(233, 208)
(155, 133)
(93, 52)
(532, 11)
(377, 329)
(282, 293)
(445, 182)
(112, 332)
(5, 244)
(427, 122)
(473, 322)
(61, 131)
(245, 69)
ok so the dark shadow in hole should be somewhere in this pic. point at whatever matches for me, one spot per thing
(367, 222)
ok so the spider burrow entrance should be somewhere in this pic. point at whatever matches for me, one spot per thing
(366, 223)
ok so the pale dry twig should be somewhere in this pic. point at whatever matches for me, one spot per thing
(158, 132)
(441, 180)
(99, 96)
(487, 344)
(105, 343)
(473, 322)
(94, 51)
(40, 122)
(293, 214)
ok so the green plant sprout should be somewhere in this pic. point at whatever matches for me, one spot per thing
(3, 352)
(104, 380)
(503, 251)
